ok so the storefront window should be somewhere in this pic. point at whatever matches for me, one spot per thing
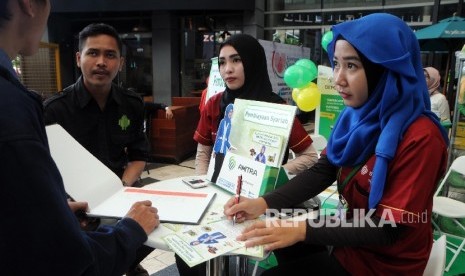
(200, 40)
(137, 71)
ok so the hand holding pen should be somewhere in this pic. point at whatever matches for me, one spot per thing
(238, 195)
(244, 208)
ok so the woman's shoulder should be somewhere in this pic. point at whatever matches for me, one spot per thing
(215, 98)
(439, 96)
(213, 102)
(423, 128)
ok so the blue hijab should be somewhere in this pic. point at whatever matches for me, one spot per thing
(399, 98)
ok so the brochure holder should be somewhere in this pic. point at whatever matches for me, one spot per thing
(251, 142)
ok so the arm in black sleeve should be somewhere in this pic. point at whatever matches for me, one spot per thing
(138, 148)
(152, 107)
(49, 116)
(319, 232)
(303, 186)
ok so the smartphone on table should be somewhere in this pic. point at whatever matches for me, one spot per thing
(195, 182)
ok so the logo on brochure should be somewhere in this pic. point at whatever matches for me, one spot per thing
(231, 163)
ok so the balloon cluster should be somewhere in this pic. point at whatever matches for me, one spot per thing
(299, 77)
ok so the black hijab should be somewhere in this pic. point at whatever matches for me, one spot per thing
(257, 85)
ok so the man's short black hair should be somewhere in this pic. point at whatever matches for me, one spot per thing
(96, 29)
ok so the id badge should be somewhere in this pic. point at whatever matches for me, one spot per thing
(342, 208)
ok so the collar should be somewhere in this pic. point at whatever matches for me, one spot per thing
(5, 61)
(84, 97)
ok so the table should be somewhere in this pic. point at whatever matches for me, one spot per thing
(215, 266)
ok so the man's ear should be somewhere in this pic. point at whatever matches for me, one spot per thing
(78, 59)
(121, 64)
(26, 7)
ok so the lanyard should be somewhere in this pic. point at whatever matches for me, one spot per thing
(341, 186)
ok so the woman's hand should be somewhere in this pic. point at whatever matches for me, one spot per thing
(246, 208)
(274, 233)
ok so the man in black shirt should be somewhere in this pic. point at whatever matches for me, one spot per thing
(104, 118)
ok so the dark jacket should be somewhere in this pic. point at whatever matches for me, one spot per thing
(39, 235)
(115, 135)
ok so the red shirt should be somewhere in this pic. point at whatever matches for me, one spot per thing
(412, 178)
(205, 134)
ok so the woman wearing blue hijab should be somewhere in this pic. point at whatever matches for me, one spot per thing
(387, 152)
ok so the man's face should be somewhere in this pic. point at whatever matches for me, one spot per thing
(100, 60)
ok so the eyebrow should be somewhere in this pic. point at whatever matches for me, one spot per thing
(100, 50)
(350, 58)
(231, 56)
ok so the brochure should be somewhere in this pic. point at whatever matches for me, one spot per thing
(251, 142)
(197, 244)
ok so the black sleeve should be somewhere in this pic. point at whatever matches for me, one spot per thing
(49, 116)
(138, 148)
(152, 107)
(303, 186)
(320, 232)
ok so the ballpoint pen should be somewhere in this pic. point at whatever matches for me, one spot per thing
(238, 194)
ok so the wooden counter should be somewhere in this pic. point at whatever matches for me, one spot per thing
(172, 140)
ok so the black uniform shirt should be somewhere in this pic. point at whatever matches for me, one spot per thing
(114, 135)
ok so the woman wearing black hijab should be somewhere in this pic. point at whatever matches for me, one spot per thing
(243, 67)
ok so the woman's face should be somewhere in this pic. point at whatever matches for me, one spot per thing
(231, 68)
(349, 75)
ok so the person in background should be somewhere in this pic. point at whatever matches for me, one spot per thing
(387, 152)
(243, 67)
(104, 118)
(439, 103)
(151, 107)
(39, 234)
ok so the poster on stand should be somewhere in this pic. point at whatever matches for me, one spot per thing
(215, 82)
(251, 142)
(331, 104)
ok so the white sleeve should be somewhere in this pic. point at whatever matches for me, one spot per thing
(202, 159)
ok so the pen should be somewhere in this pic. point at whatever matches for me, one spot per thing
(238, 194)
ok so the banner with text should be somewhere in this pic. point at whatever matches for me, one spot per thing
(331, 102)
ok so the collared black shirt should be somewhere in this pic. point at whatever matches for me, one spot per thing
(114, 135)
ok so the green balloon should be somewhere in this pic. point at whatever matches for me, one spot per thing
(297, 76)
(311, 67)
(326, 39)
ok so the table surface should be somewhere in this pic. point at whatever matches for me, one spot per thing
(155, 239)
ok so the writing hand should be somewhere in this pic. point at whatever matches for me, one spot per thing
(274, 234)
(80, 208)
(246, 208)
(76, 206)
(144, 214)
